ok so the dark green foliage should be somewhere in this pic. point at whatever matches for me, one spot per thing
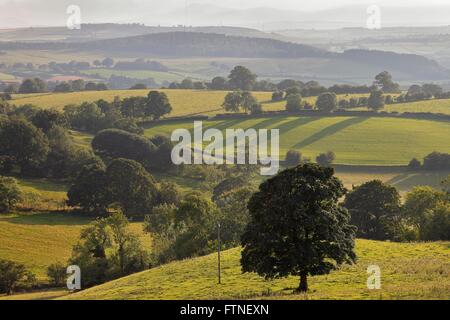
(384, 82)
(10, 194)
(161, 159)
(133, 107)
(375, 209)
(46, 119)
(158, 105)
(237, 100)
(183, 232)
(326, 159)
(293, 158)
(437, 161)
(427, 210)
(327, 101)
(234, 215)
(23, 144)
(376, 100)
(114, 143)
(90, 191)
(57, 274)
(414, 164)
(297, 226)
(14, 276)
(242, 78)
(294, 102)
(65, 159)
(131, 187)
(35, 85)
(277, 96)
(127, 124)
(108, 250)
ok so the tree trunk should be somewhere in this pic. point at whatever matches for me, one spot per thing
(303, 287)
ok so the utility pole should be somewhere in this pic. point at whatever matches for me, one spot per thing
(218, 251)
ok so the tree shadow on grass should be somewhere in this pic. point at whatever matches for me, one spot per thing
(48, 219)
(409, 180)
(297, 122)
(329, 131)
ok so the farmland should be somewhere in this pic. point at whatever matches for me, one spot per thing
(184, 102)
(40, 239)
(355, 140)
(409, 271)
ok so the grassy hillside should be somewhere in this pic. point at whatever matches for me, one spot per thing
(184, 102)
(408, 271)
(40, 239)
(434, 106)
(355, 140)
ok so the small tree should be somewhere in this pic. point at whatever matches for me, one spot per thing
(293, 102)
(293, 158)
(297, 226)
(327, 101)
(414, 164)
(10, 194)
(242, 78)
(57, 274)
(158, 105)
(326, 159)
(374, 208)
(13, 275)
(376, 100)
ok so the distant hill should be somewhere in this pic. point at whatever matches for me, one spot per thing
(90, 32)
(349, 64)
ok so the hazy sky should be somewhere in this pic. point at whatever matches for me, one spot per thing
(15, 13)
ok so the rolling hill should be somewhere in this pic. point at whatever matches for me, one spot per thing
(352, 64)
(355, 140)
(408, 271)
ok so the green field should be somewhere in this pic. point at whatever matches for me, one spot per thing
(40, 239)
(158, 76)
(4, 76)
(433, 106)
(355, 140)
(184, 102)
(408, 271)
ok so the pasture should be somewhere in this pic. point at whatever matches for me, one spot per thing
(408, 271)
(355, 140)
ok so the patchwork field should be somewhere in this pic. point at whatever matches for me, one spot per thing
(408, 271)
(184, 102)
(355, 140)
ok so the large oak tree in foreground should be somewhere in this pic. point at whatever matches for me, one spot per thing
(297, 226)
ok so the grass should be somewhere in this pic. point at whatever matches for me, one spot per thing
(5, 76)
(408, 271)
(184, 102)
(355, 140)
(433, 106)
(38, 240)
(158, 76)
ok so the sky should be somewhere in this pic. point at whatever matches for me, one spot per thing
(26, 13)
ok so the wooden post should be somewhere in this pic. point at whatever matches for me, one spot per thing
(218, 252)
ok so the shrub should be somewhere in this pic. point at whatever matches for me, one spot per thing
(57, 274)
(293, 158)
(10, 194)
(326, 159)
(14, 276)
